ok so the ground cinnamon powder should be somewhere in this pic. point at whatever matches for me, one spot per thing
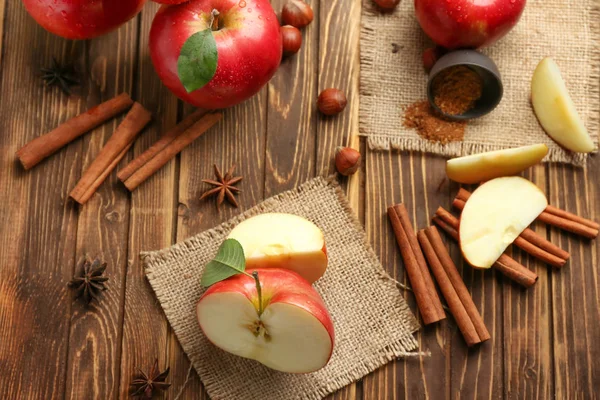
(421, 117)
(456, 89)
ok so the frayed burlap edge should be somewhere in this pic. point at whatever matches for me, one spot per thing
(400, 348)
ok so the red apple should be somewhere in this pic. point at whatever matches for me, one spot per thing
(294, 333)
(467, 23)
(221, 64)
(82, 19)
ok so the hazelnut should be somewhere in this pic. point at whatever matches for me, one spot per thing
(347, 160)
(387, 4)
(331, 101)
(297, 13)
(291, 38)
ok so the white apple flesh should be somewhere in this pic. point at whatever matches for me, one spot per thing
(495, 215)
(276, 240)
(481, 167)
(293, 334)
(555, 109)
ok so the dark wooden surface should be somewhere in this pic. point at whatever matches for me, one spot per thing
(545, 341)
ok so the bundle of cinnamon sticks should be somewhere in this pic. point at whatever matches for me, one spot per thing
(446, 275)
(118, 145)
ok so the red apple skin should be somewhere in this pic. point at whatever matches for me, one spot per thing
(249, 48)
(467, 23)
(169, 1)
(278, 286)
(82, 19)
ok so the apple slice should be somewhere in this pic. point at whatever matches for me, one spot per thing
(283, 241)
(555, 109)
(495, 215)
(294, 333)
(493, 164)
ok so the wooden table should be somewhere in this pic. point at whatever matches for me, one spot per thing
(545, 341)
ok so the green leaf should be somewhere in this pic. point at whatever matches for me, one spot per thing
(229, 261)
(197, 62)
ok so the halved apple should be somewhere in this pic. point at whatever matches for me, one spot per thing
(493, 164)
(495, 215)
(555, 109)
(294, 333)
(288, 241)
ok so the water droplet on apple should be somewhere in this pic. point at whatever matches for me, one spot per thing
(242, 4)
(249, 10)
(63, 13)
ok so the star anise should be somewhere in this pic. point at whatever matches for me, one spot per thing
(91, 282)
(60, 75)
(224, 188)
(145, 385)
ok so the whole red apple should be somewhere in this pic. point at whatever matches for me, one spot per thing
(467, 23)
(294, 332)
(82, 19)
(215, 53)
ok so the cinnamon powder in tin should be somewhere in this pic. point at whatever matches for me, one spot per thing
(457, 89)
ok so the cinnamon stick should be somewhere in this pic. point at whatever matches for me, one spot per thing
(110, 155)
(43, 146)
(171, 150)
(157, 147)
(453, 289)
(423, 288)
(559, 218)
(532, 243)
(505, 264)
(416, 249)
(570, 216)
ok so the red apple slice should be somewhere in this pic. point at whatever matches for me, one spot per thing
(283, 241)
(294, 333)
(495, 215)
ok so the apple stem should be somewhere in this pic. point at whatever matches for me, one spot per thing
(259, 290)
(214, 20)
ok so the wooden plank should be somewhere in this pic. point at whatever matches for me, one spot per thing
(575, 290)
(239, 139)
(528, 369)
(95, 338)
(413, 179)
(152, 224)
(339, 28)
(478, 373)
(37, 226)
(292, 115)
(2, 12)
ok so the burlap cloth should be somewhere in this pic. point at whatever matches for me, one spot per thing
(567, 30)
(373, 324)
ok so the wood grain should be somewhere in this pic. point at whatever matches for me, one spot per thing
(152, 224)
(389, 180)
(478, 373)
(528, 366)
(575, 292)
(95, 337)
(37, 227)
(544, 340)
(292, 117)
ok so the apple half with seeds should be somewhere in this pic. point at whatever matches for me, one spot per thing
(495, 215)
(291, 331)
(277, 240)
